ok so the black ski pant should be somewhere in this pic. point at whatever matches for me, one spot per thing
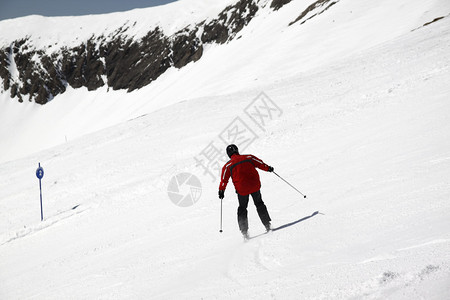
(260, 207)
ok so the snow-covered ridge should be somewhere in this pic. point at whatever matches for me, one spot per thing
(123, 50)
(44, 32)
(130, 50)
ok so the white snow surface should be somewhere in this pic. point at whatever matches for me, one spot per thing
(364, 133)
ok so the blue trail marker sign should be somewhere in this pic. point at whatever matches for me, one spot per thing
(40, 175)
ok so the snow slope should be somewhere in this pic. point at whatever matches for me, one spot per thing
(365, 135)
(267, 51)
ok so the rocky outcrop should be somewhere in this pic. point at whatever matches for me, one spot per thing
(230, 21)
(431, 22)
(313, 10)
(277, 4)
(117, 60)
(4, 72)
(32, 75)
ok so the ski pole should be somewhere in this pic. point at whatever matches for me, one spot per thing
(220, 215)
(304, 196)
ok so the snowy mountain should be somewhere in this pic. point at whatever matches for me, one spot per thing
(119, 56)
(231, 46)
(128, 54)
(348, 100)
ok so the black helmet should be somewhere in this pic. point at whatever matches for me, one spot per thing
(232, 149)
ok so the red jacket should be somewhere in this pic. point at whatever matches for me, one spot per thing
(242, 170)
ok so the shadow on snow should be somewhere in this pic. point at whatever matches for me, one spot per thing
(289, 224)
(296, 222)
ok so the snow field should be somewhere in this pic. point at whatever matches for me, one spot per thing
(273, 52)
(366, 137)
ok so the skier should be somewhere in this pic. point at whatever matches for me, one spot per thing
(242, 170)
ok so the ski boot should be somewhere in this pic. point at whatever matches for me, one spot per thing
(268, 227)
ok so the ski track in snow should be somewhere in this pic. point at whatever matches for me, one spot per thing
(60, 216)
(365, 136)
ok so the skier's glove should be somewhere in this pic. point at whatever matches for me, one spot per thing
(221, 194)
(270, 169)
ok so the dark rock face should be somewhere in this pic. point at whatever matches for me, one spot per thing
(120, 63)
(318, 7)
(38, 76)
(187, 47)
(230, 21)
(81, 66)
(131, 65)
(277, 4)
(4, 63)
(435, 20)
